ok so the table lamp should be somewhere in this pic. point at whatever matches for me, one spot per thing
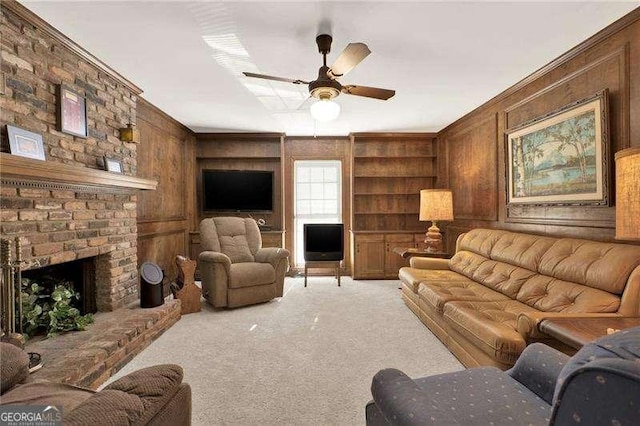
(628, 194)
(435, 205)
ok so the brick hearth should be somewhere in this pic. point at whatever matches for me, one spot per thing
(88, 358)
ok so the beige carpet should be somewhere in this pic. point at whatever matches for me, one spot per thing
(305, 359)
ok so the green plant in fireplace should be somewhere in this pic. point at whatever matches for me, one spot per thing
(49, 307)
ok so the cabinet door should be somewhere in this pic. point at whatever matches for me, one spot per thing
(368, 260)
(419, 241)
(393, 261)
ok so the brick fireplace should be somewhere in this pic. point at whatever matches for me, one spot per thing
(57, 226)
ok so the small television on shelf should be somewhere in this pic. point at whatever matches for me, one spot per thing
(323, 241)
(237, 190)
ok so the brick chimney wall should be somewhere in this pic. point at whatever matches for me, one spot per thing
(56, 222)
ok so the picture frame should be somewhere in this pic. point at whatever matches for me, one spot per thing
(112, 165)
(72, 112)
(24, 143)
(561, 158)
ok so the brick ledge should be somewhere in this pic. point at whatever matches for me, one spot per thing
(88, 358)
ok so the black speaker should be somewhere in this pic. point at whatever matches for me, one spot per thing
(151, 292)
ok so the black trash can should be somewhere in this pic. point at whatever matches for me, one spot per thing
(151, 292)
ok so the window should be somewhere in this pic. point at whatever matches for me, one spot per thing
(318, 198)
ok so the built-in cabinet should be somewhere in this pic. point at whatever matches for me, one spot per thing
(374, 255)
(388, 172)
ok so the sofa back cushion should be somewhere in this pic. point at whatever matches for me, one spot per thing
(604, 266)
(549, 274)
(549, 294)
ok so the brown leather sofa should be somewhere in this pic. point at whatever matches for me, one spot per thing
(151, 396)
(486, 302)
(236, 270)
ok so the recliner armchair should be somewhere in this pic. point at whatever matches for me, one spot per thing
(599, 385)
(150, 396)
(235, 269)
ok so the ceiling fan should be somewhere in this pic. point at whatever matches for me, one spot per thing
(326, 86)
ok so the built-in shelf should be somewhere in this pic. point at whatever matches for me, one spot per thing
(14, 168)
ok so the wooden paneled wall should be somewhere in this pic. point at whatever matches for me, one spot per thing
(166, 153)
(474, 146)
(323, 148)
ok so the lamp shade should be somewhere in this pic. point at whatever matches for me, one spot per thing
(325, 110)
(436, 205)
(628, 194)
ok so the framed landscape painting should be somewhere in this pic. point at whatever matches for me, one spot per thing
(561, 158)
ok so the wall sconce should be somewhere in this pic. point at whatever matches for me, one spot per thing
(628, 194)
(435, 205)
(129, 134)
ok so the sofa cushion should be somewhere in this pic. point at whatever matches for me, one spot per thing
(522, 250)
(437, 293)
(250, 273)
(551, 295)
(480, 241)
(466, 263)
(604, 266)
(413, 276)
(490, 326)
(502, 277)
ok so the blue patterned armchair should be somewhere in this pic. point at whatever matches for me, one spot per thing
(599, 385)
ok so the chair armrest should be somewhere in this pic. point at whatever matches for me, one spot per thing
(538, 368)
(429, 263)
(599, 392)
(272, 255)
(528, 323)
(133, 399)
(402, 401)
(14, 366)
(215, 257)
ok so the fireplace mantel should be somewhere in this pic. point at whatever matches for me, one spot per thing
(19, 169)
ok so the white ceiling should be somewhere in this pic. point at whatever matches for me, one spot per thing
(442, 58)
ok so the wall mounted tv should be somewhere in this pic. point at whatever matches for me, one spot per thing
(237, 190)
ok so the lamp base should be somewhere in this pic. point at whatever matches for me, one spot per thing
(433, 240)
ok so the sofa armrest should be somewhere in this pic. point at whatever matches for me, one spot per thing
(134, 399)
(428, 263)
(538, 368)
(402, 401)
(528, 323)
(272, 255)
(599, 392)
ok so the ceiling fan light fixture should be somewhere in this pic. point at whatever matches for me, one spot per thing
(325, 110)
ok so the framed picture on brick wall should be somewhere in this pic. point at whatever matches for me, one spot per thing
(24, 143)
(112, 165)
(72, 112)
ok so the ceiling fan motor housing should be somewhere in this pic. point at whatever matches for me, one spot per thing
(324, 87)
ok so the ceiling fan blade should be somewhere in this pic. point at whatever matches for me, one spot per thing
(351, 56)
(271, 77)
(368, 92)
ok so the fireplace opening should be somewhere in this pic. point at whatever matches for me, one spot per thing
(80, 274)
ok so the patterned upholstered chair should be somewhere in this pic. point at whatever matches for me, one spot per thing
(235, 269)
(599, 385)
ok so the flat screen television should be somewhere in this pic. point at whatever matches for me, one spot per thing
(323, 241)
(237, 190)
